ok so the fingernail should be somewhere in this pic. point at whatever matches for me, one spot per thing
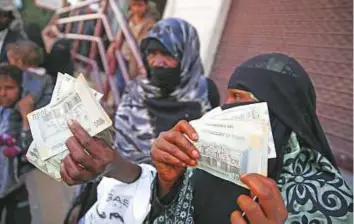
(70, 122)
(195, 153)
(194, 163)
(195, 136)
(244, 175)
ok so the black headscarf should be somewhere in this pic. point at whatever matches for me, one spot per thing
(281, 82)
(34, 33)
(59, 59)
(284, 84)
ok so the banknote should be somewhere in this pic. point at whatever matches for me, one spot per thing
(64, 84)
(49, 124)
(251, 112)
(44, 166)
(229, 148)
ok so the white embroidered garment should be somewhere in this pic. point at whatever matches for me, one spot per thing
(119, 202)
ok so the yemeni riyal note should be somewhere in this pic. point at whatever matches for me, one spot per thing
(229, 148)
(72, 99)
(49, 124)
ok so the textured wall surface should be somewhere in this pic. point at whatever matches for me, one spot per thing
(318, 33)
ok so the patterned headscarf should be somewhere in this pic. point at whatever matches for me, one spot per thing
(135, 133)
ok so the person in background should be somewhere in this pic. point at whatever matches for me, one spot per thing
(140, 22)
(303, 185)
(15, 137)
(213, 93)
(59, 59)
(33, 31)
(175, 89)
(8, 31)
(27, 56)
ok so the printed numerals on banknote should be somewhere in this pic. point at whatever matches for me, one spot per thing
(230, 146)
(72, 99)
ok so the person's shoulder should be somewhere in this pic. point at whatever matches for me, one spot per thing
(15, 35)
(150, 18)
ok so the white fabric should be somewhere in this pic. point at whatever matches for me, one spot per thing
(7, 5)
(2, 37)
(37, 71)
(119, 202)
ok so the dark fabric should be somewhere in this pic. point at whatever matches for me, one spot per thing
(86, 199)
(167, 79)
(34, 33)
(134, 129)
(213, 198)
(285, 86)
(11, 37)
(291, 98)
(152, 45)
(166, 113)
(17, 207)
(59, 59)
(213, 93)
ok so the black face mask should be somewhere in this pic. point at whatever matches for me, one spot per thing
(167, 79)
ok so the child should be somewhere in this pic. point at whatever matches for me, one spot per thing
(15, 137)
(27, 56)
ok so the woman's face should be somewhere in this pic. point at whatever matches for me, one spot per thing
(161, 59)
(238, 96)
(9, 91)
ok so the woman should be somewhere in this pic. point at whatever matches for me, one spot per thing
(175, 89)
(307, 177)
(59, 59)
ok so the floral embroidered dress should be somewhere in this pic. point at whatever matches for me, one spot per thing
(312, 189)
(310, 183)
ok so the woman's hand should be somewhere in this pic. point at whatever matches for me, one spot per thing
(26, 106)
(88, 157)
(270, 209)
(172, 152)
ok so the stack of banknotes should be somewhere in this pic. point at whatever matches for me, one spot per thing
(235, 141)
(72, 99)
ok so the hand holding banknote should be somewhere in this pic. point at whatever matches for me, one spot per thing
(172, 152)
(270, 209)
(88, 157)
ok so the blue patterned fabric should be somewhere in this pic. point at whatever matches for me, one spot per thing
(10, 124)
(134, 131)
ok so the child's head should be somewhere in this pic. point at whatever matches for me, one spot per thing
(139, 7)
(10, 85)
(24, 54)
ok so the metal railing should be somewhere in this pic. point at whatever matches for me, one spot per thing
(97, 46)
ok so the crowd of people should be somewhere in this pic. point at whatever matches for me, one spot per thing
(148, 172)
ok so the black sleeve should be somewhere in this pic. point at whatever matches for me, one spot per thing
(158, 205)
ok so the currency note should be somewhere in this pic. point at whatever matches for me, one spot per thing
(44, 166)
(230, 148)
(65, 83)
(251, 112)
(221, 160)
(49, 124)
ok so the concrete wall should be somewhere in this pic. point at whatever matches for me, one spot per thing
(208, 17)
